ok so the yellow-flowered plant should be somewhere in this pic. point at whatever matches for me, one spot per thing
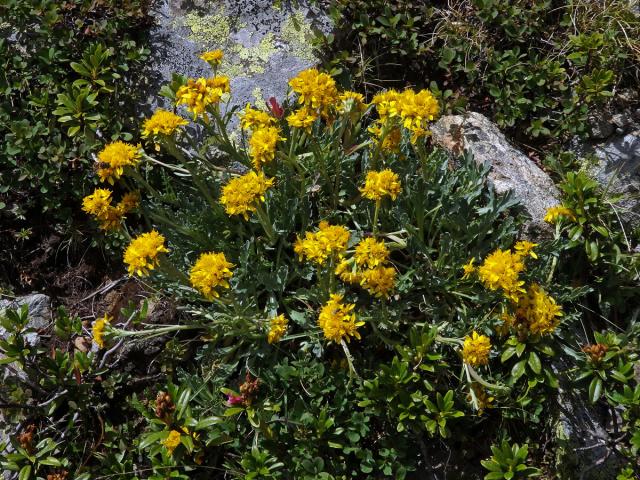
(199, 93)
(172, 441)
(142, 254)
(242, 195)
(501, 271)
(559, 212)
(303, 118)
(378, 185)
(329, 242)
(99, 205)
(338, 321)
(316, 90)
(210, 273)
(476, 349)
(98, 330)
(370, 253)
(379, 281)
(213, 57)
(114, 158)
(537, 312)
(162, 122)
(262, 146)
(254, 119)
(277, 328)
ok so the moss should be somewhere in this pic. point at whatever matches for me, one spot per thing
(297, 32)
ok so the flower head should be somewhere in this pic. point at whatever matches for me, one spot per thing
(98, 203)
(387, 139)
(253, 119)
(537, 311)
(554, 214)
(315, 90)
(525, 248)
(416, 110)
(130, 201)
(198, 93)
(162, 122)
(501, 269)
(337, 320)
(347, 272)
(262, 145)
(97, 331)
(141, 255)
(379, 281)
(330, 241)
(380, 184)
(468, 269)
(242, 195)
(114, 158)
(172, 441)
(386, 104)
(302, 118)
(277, 328)
(370, 253)
(210, 272)
(351, 102)
(476, 349)
(213, 57)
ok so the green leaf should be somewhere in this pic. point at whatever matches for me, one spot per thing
(518, 370)
(25, 473)
(534, 363)
(595, 389)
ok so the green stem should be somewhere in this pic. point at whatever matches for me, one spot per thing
(263, 218)
(375, 217)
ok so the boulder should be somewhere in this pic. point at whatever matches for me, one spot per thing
(40, 314)
(511, 170)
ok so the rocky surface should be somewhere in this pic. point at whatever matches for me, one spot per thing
(39, 313)
(266, 42)
(511, 170)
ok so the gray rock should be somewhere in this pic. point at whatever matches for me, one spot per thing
(265, 43)
(600, 126)
(511, 170)
(618, 171)
(39, 313)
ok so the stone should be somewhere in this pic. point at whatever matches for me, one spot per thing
(265, 43)
(600, 126)
(617, 170)
(511, 170)
(40, 314)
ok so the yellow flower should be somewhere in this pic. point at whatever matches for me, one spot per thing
(379, 281)
(172, 441)
(114, 158)
(315, 90)
(379, 184)
(347, 272)
(351, 102)
(501, 269)
(98, 203)
(130, 201)
(97, 331)
(337, 320)
(558, 213)
(330, 241)
(142, 253)
(242, 195)
(209, 272)
(302, 118)
(416, 110)
(213, 57)
(386, 104)
(277, 328)
(525, 248)
(262, 145)
(475, 350)
(162, 122)
(538, 312)
(468, 269)
(252, 119)
(199, 93)
(370, 253)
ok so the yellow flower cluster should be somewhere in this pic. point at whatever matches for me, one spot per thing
(387, 139)
(113, 159)
(476, 349)
(141, 255)
(277, 328)
(253, 119)
(211, 271)
(316, 91)
(97, 331)
(302, 118)
(330, 241)
(537, 312)
(351, 102)
(99, 205)
(162, 122)
(380, 184)
(369, 268)
(415, 110)
(337, 320)
(501, 270)
(213, 57)
(172, 441)
(262, 145)
(554, 214)
(199, 93)
(241, 195)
